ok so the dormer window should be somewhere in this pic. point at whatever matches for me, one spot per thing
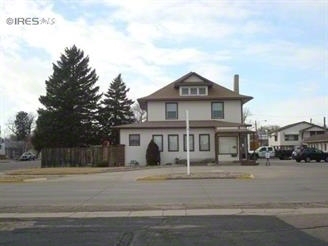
(193, 91)
(184, 91)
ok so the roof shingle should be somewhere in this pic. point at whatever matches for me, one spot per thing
(171, 92)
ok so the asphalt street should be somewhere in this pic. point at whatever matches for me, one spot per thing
(143, 231)
(285, 204)
(283, 184)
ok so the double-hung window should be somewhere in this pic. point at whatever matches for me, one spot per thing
(173, 142)
(191, 142)
(134, 139)
(204, 142)
(217, 110)
(171, 110)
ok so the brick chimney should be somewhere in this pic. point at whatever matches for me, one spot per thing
(236, 83)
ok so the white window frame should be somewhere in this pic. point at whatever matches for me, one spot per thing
(183, 91)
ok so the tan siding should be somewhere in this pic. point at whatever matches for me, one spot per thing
(198, 110)
(138, 153)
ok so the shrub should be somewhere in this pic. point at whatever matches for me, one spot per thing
(153, 154)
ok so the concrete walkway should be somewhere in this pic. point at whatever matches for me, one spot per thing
(171, 212)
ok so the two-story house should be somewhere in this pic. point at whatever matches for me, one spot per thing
(216, 124)
(293, 135)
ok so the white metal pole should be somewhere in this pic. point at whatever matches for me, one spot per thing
(187, 143)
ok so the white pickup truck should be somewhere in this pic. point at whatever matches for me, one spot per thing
(260, 151)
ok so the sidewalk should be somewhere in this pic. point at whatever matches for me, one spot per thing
(171, 212)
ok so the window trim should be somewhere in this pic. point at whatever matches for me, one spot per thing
(169, 149)
(130, 140)
(208, 143)
(181, 88)
(192, 147)
(212, 111)
(161, 144)
(166, 112)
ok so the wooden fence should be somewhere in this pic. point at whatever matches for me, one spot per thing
(93, 156)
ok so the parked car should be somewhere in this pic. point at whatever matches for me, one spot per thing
(309, 154)
(260, 152)
(284, 154)
(27, 156)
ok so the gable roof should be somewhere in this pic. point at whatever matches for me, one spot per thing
(298, 123)
(171, 91)
(314, 126)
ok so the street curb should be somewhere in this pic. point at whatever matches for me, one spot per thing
(173, 212)
(20, 179)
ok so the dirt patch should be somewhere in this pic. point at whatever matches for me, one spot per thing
(212, 175)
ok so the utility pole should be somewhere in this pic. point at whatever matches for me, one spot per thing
(187, 140)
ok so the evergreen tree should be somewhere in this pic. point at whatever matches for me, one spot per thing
(71, 103)
(153, 154)
(116, 110)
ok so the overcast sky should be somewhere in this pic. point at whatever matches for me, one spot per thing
(279, 49)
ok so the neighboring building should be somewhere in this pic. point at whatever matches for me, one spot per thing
(293, 135)
(14, 148)
(318, 141)
(217, 132)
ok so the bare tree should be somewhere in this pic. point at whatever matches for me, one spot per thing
(139, 114)
(21, 127)
(246, 114)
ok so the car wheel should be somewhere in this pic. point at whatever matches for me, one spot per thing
(298, 160)
(307, 159)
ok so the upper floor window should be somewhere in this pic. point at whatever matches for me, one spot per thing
(184, 91)
(312, 133)
(171, 111)
(291, 137)
(217, 110)
(193, 90)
